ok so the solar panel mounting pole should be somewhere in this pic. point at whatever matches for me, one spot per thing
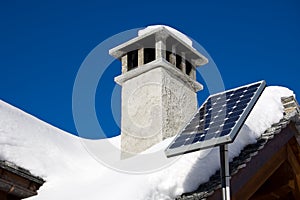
(225, 176)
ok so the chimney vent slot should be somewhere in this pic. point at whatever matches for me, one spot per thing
(132, 59)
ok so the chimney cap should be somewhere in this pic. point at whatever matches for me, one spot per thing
(147, 40)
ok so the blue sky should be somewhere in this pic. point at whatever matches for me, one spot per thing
(43, 44)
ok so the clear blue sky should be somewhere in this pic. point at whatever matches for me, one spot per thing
(43, 44)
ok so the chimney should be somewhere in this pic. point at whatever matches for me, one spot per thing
(158, 86)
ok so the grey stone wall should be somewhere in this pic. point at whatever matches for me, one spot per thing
(155, 105)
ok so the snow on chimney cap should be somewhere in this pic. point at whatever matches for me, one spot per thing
(145, 39)
(180, 35)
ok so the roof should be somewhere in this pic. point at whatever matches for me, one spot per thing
(18, 181)
(269, 143)
(20, 171)
(42, 145)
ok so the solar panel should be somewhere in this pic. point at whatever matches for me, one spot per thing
(218, 120)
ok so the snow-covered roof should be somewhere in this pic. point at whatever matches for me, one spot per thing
(72, 173)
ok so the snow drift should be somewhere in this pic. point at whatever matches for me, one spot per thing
(72, 173)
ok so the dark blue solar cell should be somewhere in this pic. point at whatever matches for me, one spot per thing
(253, 90)
(198, 139)
(177, 144)
(213, 129)
(211, 135)
(206, 125)
(236, 96)
(235, 113)
(231, 119)
(201, 118)
(239, 91)
(245, 99)
(221, 102)
(256, 84)
(218, 96)
(213, 100)
(217, 106)
(214, 112)
(225, 132)
(207, 108)
(228, 125)
(208, 117)
(182, 137)
(252, 87)
(249, 93)
(201, 130)
(189, 141)
(229, 93)
(229, 109)
(222, 96)
(221, 112)
(220, 118)
(230, 104)
(201, 110)
(207, 121)
(238, 107)
(232, 101)
(208, 103)
(241, 105)
(219, 122)
(195, 135)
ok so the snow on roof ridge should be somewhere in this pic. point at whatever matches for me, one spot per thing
(12, 108)
(40, 147)
(179, 34)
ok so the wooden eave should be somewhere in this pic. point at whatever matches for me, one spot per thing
(17, 183)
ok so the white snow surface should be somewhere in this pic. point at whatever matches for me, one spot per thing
(180, 35)
(71, 173)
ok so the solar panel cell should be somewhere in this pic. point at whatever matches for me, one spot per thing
(246, 98)
(225, 132)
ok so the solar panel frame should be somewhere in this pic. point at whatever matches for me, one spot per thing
(221, 139)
